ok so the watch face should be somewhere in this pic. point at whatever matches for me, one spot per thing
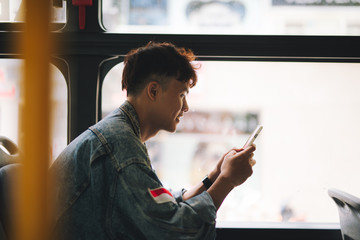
(207, 182)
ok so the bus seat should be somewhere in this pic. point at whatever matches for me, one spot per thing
(9, 156)
(349, 213)
(9, 152)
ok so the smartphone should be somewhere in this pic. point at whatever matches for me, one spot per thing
(253, 136)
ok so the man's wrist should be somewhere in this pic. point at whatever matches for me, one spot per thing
(226, 181)
(220, 189)
(213, 175)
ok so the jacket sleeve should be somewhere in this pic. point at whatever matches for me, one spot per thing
(153, 211)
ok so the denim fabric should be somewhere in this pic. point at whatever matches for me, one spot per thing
(103, 179)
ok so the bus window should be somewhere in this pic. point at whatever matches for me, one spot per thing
(309, 142)
(296, 17)
(10, 75)
(13, 11)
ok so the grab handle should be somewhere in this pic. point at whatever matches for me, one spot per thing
(82, 13)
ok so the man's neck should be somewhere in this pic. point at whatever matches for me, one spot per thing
(143, 111)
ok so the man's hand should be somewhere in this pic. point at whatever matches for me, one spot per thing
(236, 167)
(233, 168)
(216, 172)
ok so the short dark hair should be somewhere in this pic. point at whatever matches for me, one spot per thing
(157, 62)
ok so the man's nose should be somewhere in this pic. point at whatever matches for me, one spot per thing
(185, 107)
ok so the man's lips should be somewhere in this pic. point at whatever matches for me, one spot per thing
(179, 116)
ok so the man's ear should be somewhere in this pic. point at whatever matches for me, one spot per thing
(152, 90)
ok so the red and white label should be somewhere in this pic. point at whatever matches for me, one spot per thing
(161, 195)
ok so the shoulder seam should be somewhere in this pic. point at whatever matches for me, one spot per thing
(101, 138)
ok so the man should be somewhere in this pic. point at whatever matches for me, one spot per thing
(106, 186)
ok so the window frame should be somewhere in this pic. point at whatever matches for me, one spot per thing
(96, 47)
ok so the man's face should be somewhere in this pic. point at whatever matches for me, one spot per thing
(171, 105)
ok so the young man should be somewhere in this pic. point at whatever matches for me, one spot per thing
(106, 186)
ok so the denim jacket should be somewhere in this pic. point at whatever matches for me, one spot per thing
(105, 185)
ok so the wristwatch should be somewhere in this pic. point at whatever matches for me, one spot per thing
(207, 182)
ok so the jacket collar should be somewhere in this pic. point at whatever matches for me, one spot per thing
(130, 111)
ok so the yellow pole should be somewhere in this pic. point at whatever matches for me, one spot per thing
(32, 208)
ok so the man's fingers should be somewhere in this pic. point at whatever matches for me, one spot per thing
(232, 152)
(251, 148)
(252, 162)
(248, 150)
(238, 149)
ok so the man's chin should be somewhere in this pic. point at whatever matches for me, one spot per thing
(172, 129)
